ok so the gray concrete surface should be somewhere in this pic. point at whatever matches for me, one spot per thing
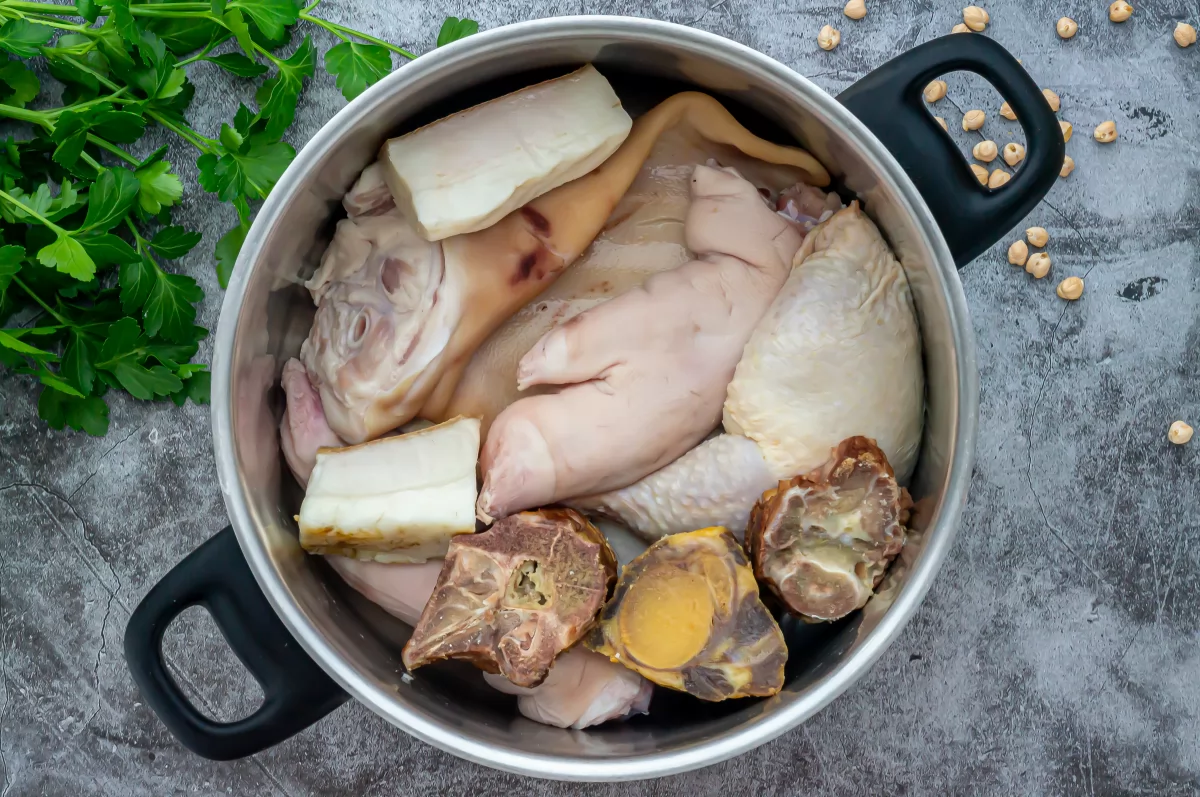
(1057, 653)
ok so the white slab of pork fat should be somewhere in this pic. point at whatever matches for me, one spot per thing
(467, 171)
(396, 499)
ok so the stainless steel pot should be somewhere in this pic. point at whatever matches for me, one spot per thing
(879, 141)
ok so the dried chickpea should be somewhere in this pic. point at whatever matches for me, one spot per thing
(1038, 265)
(1067, 167)
(855, 9)
(1067, 130)
(1037, 236)
(1052, 98)
(1067, 27)
(1018, 253)
(935, 90)
(1070, 289)
(985, 151)
(941, 122)
(980, 173)
(1185, 35)
(1106, 132)
(973, 120)
(998, 178)
(976, 18)
(960, 28)
(1120, 11)
(1013, 153)
(1007, 112)
(829, 37)
(1179, 433)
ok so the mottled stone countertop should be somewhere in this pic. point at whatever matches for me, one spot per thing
(1058, 652)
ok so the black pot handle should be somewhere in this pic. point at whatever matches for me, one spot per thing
(889, 102)
(296, 691)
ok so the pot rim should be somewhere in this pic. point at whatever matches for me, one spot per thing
(774, 723)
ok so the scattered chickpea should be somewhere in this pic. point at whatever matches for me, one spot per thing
(935, 90)
(941, 122)
(1179, 433)
(985, 151)
(1037, 236)
(1052, 98)
(1038, 265)
(1007, 112)
(980, 173)
(1067, 167)
(998, 178)
(855, 9)
(960, 28)
(1067, 27)
(829, 37)
(1018, 253)
(1070, 289)
(1120, 11)
(973, 120)
(1067, 130)
(1013, 153)
(1106, 132)
(976, 18)
(1185, 35)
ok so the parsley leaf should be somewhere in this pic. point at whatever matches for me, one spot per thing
(77, 362)
(68, 256)
(110, 199)
(174, 242)
(24, 38)
(271, 16)
(136, 279)
(454, 29)
(120, 356)
(252, 172)
(107, 249)
(22, 84)
(13, 343)
(157, 187)
(59, 410)
(357, 66)
(277, 97)
(238, 64)
(169, 309)
(227, 252)
(196, 387)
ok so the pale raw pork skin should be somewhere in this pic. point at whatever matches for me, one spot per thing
(399, 499)
(449, 179)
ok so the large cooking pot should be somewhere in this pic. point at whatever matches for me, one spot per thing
(311, 637)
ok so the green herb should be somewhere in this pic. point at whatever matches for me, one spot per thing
(88, 299)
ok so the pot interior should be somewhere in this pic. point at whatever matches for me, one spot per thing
(359, 643)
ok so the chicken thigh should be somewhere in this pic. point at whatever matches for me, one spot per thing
(646, 372)
(837, 355)
(398, 317)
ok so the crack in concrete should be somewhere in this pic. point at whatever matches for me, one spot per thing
(103, 456)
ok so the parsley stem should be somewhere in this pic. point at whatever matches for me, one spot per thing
(23, 114)
(310, 6)
(31, 212)
(42, 8)
(113, 148)
(38, 299)
(333, 27)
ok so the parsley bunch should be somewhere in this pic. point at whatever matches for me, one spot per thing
(86, 302)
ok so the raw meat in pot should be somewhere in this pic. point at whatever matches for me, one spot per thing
(645, 374)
